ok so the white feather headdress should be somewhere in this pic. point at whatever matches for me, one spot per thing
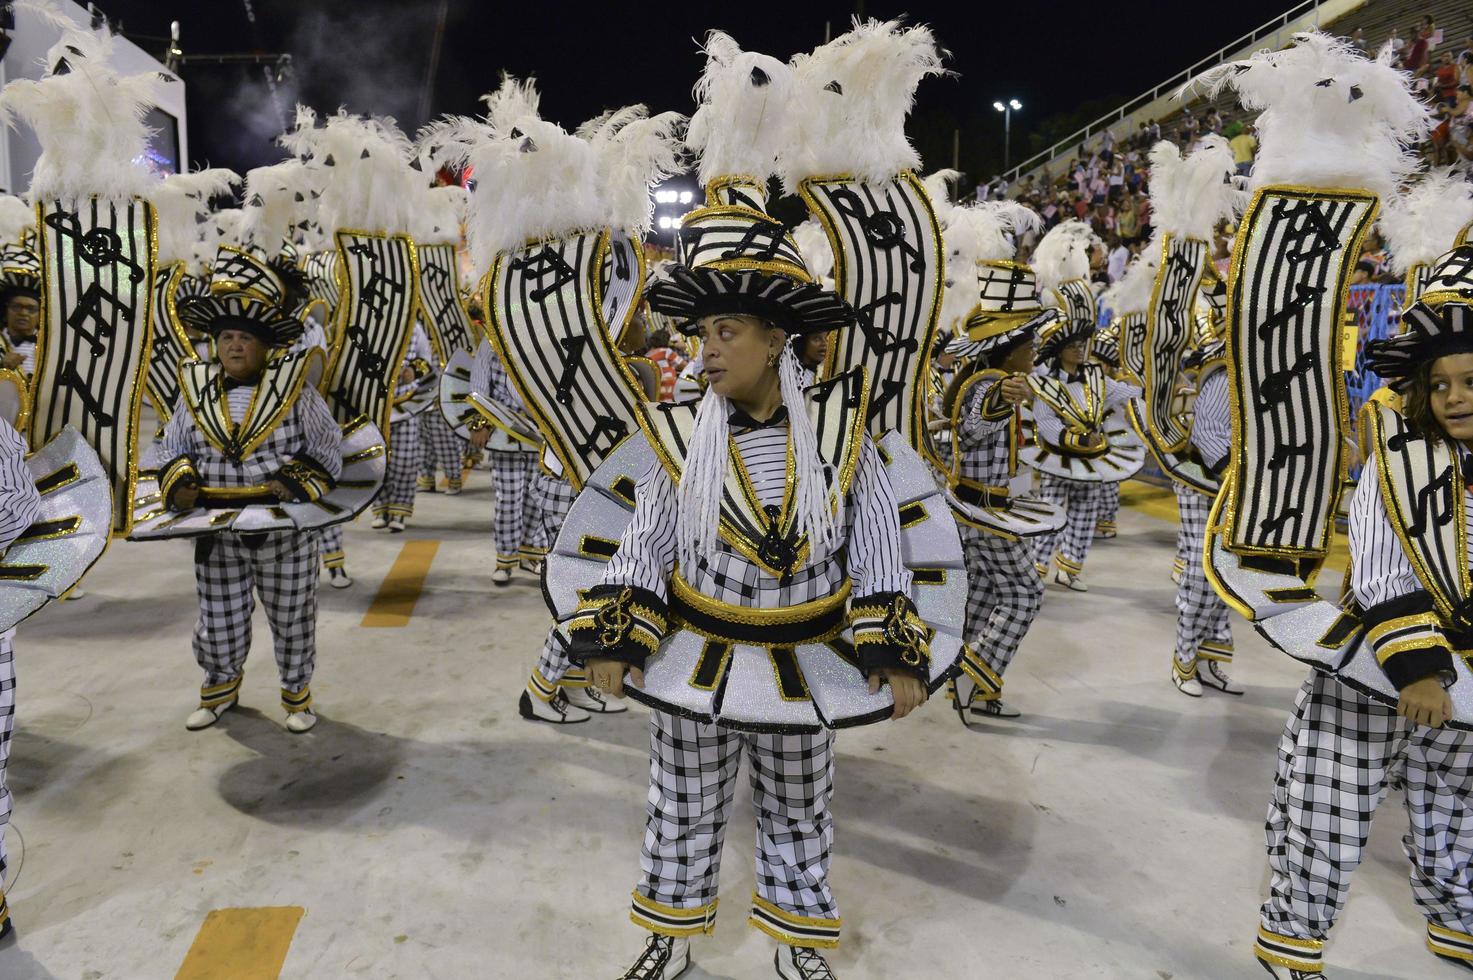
(88, 120)
(635, 151)
(1132, 294)
(182, 204)
(853, 96)
(746, 110)
(439, 217)
(813, 245)
(1063, 254)
(279, 202)
(1330, 117)
(15, 217)
(222, 228)
(1191, 194)
(1424, 222)
(986, 231)
(366, 181)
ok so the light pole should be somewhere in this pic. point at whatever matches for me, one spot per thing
(1007, 130)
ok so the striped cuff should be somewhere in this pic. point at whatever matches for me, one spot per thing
(575, 677)
(793, 929)
(1179, 566)
(1449, 942)
(666, 920)
(1304, 955)
(540, 687)
(306, 478)
(334, 559)
(296, 701)
(216, 695)
(1183, 672)
(1067, 564)
(614, 622)
(1407, 637)
(1212, 650)
(1107, 527)
(889, 634)
(176, 473)
(989, 683)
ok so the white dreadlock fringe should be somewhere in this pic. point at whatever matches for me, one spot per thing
(698, 496)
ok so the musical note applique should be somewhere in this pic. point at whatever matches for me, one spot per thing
(97, 247)
(1455, 272)
(621, 261)
(538, 267)
(89, 310)
(1304, 296)
(1400, 440)
(378, 289)
(1275, 524)
(749, 246)
(69, 378)
(369, 362)
(884, 229)
(1434, 500)
(435, 274)
(776, 550)
(888, 389)
(1307, 224)
(1276, 386)
(881, 341)
(1186, 265)
(572, 361)
(1283, 454)
(603, 437)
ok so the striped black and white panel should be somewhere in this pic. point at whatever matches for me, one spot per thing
(1168, 330)
(552, 338)
(170, 345)
(92, 357)
(1079, 301)
(621, 281)
(1452, 273)
(1422, 478)
(1005, 286)
(248, 272)
(379, 314)
(1133, 344)
(1284, 315)
(888, 265)
(712, 234)
(322, 278)
(439, 297)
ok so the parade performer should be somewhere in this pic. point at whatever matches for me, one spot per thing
(20, 283)
(447, 324)
(415, 387)
(1104, 350)
(1075, 452)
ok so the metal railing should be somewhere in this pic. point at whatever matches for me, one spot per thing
(1274, 27)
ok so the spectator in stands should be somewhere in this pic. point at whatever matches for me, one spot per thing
(1127, 221)
(1118, 256)
(1357, 40)
(1189, 129)
(1243, 144)
(1362, 274)
(1445, 79)
(1213, 122)
(667, 361)
(1414, 55)
(1153, 133)
(1465, 69)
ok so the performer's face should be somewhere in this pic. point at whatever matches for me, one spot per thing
(22, 316)
(1451, 395)
(815, 350)
(737, 352)
(1072, 356)
(1020, 361)
(242, 354)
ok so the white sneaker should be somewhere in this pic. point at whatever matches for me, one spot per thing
(338, 578)
(962, 690)
(1189, 686)
(801, 963)
(501, 577)
(202, 718)
(664, 958)
(592, 700)
(996, 708)
(298, 722)
(453, 490)
(1072, 582)
(555, 712)
(396, 524)
(1210, 672)
(380, 521)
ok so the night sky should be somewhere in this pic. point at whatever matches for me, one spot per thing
(372, 57)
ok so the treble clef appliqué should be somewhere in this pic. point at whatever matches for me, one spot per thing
(884, 229)
(776, 551)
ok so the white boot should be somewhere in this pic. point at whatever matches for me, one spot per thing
(202, 718)
(1069, 581)
(502, 576)
(664, 958)
(556, 712)
(396, 524)
(338, 578)
(592, 700)
(380, 521)
(1186, 681)
(801, 963)
(298, 722)
(1210, 672)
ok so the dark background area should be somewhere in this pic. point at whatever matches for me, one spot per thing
(1066, 62)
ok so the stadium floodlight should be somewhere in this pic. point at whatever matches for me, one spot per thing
(1014, 104)
(999, 107)
(686, 197)
(1007, 129)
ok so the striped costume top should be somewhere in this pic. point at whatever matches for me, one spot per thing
(490, 380)
(20, 501)
(1212, 424)
(1051, 428)
(26, 348)
(419, 358)
(984, 436)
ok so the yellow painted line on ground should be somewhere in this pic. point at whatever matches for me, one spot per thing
(395, 601)
(241, 944)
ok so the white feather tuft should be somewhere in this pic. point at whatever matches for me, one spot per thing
(745, 115)
(182, 204)
(853, 96)
(1063, 254)
(15, 217)
(634, 152)
(813, 245)
(280, 201)
(1329, 116)
(223, 228)
(439, 217)
(512, 103)
(1424, 222)
(1191, 194)
(362, 166)
(49, 11)
(1132, 294)
(88, 120)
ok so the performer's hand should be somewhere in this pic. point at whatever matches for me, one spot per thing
(406, 375)
(1015, 390)
(608, 676)
(186, 496)
(480, 437)
(14, 360)
(1425, 702)
(1096, 440)
(907, 690)
(279, 490)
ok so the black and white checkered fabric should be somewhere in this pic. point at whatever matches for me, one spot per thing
(170, 344)
(1084, 503)
(330, 544)
(282, 571)
(1338, 753)
(551, 334)
(396, 497)
(1284, 341)
(439, 297)
(553, 663)
(693, 771)
(97, 277)
(380, 300)
(1003, 595)
(1201, 616)
(1168, 331)
(7, 728)
(440, 449)
(516, 507)
(552, 498)
(890, 269)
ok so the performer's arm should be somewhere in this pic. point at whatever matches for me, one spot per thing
(985, 413)
(178, 479)
(1117, 393)
(20, 501)
(313, 470)
(1212, 427)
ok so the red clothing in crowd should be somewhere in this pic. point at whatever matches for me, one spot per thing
(668, 362)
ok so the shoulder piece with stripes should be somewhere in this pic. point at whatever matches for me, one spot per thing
(1422, 491)
(1056, 394)
(837, 408)
(959, 408)
(171, 345)
(203, 388)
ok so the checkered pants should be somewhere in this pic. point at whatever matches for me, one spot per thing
(1003, 595)
(1202, 624)
(554, 669)
(1334, 759)
(7, 726)
(396, 497)
(282, 568)
(552, 498)
(1111, 511)
(693, 770)
(440, 449)
(516, 506)
(1083, 503)
(330, 544)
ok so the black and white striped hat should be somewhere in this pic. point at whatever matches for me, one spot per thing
(1439, 323)
(249, 293)
(20, 271)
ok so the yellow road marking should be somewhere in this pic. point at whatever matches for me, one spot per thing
(242, 944)
(394, 603)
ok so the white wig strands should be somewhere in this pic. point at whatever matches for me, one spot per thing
(1423, 223)
(854, 94)
(1191, 194)
(88, 120)
(1329, 116)
(746, 111)
(698, 496)
(1063, 254)
(16, 216)
(182, 203)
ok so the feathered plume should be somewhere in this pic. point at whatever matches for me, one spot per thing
(513, 102)
(634, 152)
(1190, 194)
(983, 232)
(1330, 117)
(15, 217)
(439, 216)
(182, 203)
(853, 96)
(222, 228)
(745, 115)
(813, 244)
(1423, 223)
(49, 11)
(88, 120)
(1063, 254)
(279, 203)
(366, 179)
